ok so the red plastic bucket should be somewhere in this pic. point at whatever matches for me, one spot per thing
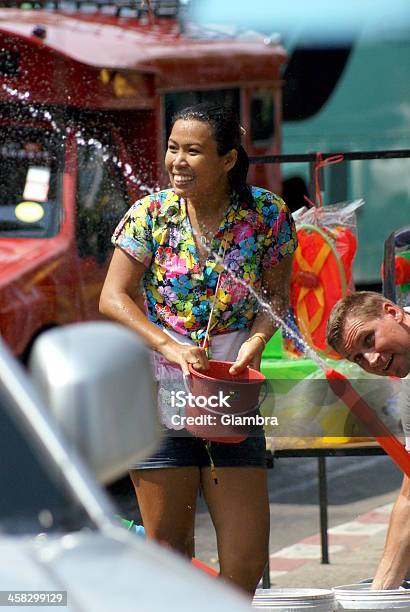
(217, 397)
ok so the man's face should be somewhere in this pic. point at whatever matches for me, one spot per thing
(379, 346)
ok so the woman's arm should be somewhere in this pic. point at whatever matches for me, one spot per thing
(276, 290)
(121, 300)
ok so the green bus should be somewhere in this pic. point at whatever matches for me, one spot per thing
(352, 97)
(346, 88)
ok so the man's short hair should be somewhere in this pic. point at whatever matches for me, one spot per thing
(365, 305)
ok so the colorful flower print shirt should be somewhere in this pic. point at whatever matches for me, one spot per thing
(179, 292)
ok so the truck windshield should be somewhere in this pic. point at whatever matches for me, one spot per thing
(31, 169)
(34, 494)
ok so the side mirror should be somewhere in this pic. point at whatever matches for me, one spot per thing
(97, 380)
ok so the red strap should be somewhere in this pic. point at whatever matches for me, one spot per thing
(322, 163)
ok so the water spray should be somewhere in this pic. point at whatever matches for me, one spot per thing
(339, 384)
(343, 389)
(125, 169)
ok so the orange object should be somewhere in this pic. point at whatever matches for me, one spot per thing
(322, 274)
(341, 387)
(204, 567)
(402, 268)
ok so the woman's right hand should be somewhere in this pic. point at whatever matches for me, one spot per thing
(184, 354)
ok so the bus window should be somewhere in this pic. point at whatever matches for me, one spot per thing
(175, 101)
(102, 200)
(310, 78)
(262, 117)
(353, 98)
(31, 170)
(336, 182)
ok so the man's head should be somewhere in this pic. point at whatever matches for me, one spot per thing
(372, 331)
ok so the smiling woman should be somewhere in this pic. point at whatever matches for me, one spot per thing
(196, 249)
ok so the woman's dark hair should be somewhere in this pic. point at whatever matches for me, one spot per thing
(227, 132)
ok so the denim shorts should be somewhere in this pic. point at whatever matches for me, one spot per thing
(188, 451)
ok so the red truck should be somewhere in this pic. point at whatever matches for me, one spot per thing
(86, 98)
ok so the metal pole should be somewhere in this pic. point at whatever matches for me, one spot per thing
(266, 577)
(312, 181)
(323, 508)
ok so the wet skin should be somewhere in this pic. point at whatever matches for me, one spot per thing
(379, 346)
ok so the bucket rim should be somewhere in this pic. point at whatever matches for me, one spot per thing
(363, 590)
(293, 593)
(256, 381)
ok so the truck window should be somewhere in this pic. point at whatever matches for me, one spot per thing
(34, 497)
(9, 62)
(102, 199)
(31, 171)
(262, 117)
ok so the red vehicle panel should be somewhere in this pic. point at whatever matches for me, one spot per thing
(85, 103)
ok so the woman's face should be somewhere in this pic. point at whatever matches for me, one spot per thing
(195, 169)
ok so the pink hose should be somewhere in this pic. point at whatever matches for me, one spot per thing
(341, 387)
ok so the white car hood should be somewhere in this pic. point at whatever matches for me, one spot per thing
(104, 574)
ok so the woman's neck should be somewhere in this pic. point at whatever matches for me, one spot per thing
(212, 203)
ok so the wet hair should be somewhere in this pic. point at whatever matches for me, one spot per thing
(366, 305)
(227, 133)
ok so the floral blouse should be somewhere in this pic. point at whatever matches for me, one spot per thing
(179, 293)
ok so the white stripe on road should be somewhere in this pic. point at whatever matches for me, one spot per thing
(358, 528)
(384, 509)
(305, 551)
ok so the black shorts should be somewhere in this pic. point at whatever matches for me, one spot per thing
(188, 451)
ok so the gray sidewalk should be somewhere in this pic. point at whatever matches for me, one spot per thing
(356, 539)
(355, 549)
(346, 567)
(356, 488)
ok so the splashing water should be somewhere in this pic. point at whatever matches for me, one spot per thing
(268, 308)
(345, 391)
(127, 172)
(340, 386)
(38, 113)
(308, 350)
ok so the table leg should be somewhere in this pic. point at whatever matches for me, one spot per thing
(323, 509)
(266, 577)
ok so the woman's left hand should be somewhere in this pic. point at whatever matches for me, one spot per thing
(250, 354)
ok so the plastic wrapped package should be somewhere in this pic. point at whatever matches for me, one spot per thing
(322, 268)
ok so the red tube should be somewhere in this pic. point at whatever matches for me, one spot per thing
(402, 268)
(341, 387)
(205, 568)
